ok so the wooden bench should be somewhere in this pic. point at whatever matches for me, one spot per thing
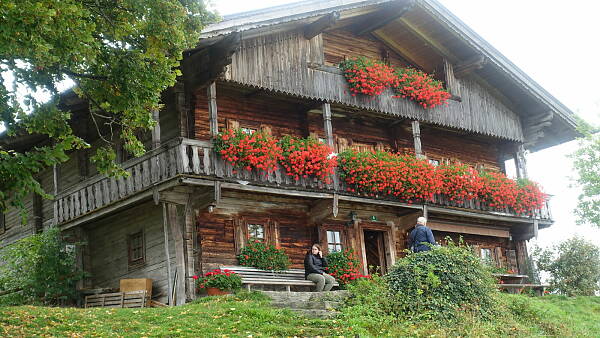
(130, 299)
(513, 288)
(288, 278)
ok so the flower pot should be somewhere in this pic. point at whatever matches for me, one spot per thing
(216, 292)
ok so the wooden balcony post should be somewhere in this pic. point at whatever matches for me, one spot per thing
(55, 193)
(212, 110)
(521, 162)
(156, 129)
(327, 124)
(416, 129)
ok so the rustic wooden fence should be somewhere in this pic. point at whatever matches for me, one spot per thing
(197, 158)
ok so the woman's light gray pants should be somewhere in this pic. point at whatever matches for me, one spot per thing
(324, 282)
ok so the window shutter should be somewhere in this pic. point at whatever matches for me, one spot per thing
(239, 235)
(233, 124)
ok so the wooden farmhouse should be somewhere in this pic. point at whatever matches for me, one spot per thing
(183, 210)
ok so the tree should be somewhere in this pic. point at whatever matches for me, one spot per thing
(587, 166)
(120, 55)
(574, 266)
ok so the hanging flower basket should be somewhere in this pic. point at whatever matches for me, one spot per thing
(420, 87)
(367, 77)
(306, 157)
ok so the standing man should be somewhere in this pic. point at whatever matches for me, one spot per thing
(421, 235)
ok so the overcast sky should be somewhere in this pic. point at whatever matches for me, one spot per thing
(555, 43)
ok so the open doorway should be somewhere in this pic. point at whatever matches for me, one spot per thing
(375, 251)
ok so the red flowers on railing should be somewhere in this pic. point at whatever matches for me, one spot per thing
(370, 77)
(307, 157)
(366, 76)
(411, 180)
(420, 87)
(379, 173)
(383, 173)
(248, 151)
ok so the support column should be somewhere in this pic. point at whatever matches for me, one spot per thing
(522, 255)
(190, 242)
(416, 129)
(327, 124)
(521, 162)
(212, 110)
(55, 193)
(156, 129)
(180, 272)
(167, 254)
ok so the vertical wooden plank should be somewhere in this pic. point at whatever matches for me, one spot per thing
(212, 109)
(195, 160)
(183, 161)
(83, 206)
(105, 191)
(121, 187)
(58, 205)
(163, 165)
(138, 177)
(114, 189)
(55, 193)
(416, 129)
(154, 175)
(206, 160)
(90, 198)
(99, 196)
(327, 124)
(145, 173)
(156, 129)
(129, 180)
(172, 162)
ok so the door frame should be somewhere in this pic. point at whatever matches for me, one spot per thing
(389, 246)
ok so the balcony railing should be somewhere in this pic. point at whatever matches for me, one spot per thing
(196, 158)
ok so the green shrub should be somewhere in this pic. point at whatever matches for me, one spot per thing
(41, 267)
(220, 279)
(262, 256)
(343, 265)
(439, 282)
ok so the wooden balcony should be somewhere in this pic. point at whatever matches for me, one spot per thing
(188, 158)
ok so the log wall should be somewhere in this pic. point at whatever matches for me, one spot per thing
(109, 251)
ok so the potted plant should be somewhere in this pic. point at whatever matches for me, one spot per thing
(263, 256)
(219, 282)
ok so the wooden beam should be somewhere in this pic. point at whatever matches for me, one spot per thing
(416, 130)
(393, 45)
(451, 83)
(464, 68)
(202, 66)
(426, 39)
(379, 19)
(521, 162)
(327, 124)
(190, 246)
(211, 92)
(313, 29)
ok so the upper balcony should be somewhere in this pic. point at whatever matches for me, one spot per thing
(187, 161)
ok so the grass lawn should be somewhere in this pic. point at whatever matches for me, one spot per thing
(250, 315)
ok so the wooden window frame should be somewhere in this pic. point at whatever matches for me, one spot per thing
(242, 236)
(136, 262)
(334, 243)
(323, 240)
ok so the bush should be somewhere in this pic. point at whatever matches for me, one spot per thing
(262, 256)
(41, 267)
(574, 267)
(343, 265)
(220, 279)
(439, 282)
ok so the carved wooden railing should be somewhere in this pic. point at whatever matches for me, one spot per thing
(196, 158)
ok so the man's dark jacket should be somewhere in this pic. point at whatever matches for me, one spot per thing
(419, 236)
(314, 264)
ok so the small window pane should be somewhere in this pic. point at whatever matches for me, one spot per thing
(434, 162)
(486, 255)
(248, 131)
(334, 242)
(256, 231)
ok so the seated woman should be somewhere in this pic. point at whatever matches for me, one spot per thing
(314, 269)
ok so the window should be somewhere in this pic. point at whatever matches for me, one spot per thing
(248, 131)
(137, 255)
(434, 162)
(334, 241)
(256, 231)
(486, 255)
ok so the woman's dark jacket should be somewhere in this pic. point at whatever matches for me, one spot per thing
(314, 264)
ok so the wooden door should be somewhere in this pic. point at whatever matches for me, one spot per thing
(374, 251)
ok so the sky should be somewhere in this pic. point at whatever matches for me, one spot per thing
(556, 44)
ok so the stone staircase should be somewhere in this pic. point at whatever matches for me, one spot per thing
(309, 304)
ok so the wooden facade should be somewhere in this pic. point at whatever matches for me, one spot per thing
(183, 211)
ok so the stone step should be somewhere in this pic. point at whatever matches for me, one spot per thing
(323, 305)
(313, 313)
